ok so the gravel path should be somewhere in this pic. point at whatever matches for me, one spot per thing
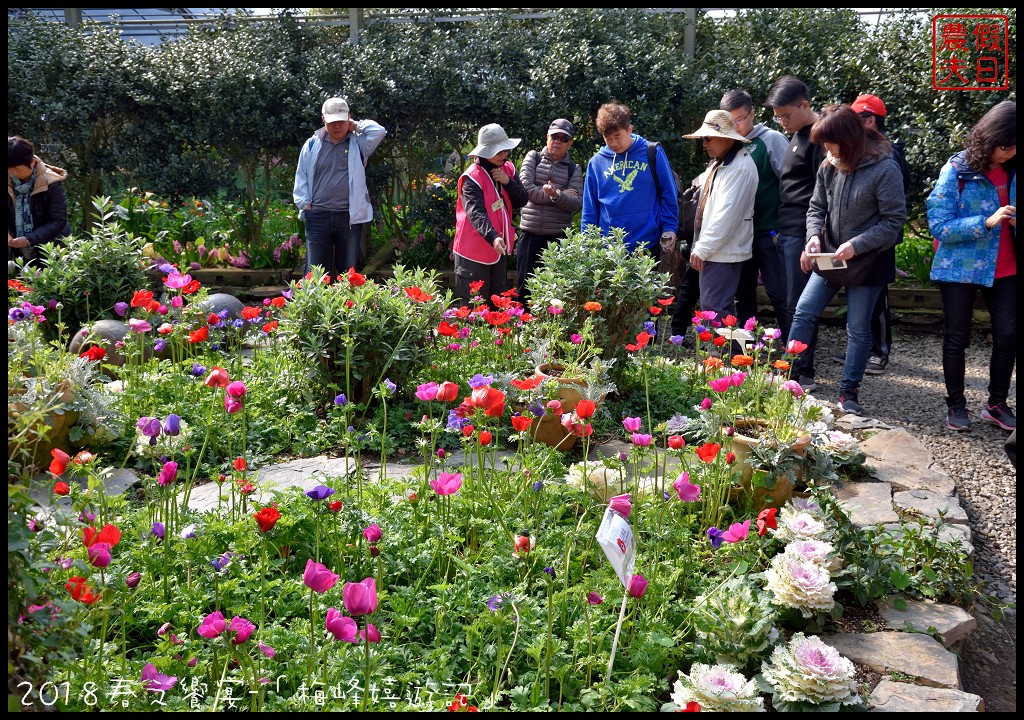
(911, 395)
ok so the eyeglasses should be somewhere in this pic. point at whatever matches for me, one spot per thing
(743, 117)
(561, 138)
(783, 119)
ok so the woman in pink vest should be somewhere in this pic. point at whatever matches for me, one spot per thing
(489, 191)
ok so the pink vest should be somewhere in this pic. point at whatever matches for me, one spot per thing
(468, 242)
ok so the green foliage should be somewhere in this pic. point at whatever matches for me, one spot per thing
(88, 273)
(211, 233)
(735, 624)
(914, 257)
(359, 334)
(430, 217)
(587, 266)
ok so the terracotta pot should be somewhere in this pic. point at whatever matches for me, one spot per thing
(548, 429)
(59, 425)
(742, 446)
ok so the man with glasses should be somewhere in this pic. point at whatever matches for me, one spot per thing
(555, 186)
(789, 101)
(767, 149)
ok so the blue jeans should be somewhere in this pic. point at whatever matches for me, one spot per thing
(860, 305)
(331, 241)
(784, 281)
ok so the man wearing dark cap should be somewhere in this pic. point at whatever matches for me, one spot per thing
(555, 186)
(872, 111)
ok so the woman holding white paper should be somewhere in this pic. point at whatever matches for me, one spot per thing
(859, 190)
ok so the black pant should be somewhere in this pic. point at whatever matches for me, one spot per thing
(958, 309)
(529, 246)
(881, 325)
(687, 298)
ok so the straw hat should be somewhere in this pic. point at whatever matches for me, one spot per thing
(491, 140)
(717, 123)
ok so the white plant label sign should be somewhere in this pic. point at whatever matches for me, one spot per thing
(616, 538)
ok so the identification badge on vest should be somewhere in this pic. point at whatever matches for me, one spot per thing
(497, 205)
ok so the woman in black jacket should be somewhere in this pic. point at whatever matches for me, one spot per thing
(37, 208)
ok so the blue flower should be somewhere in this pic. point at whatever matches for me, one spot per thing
(158, 530)
(389, 386)
(538, 486)
(479, 380)
(198, 370)
(649, 328)
(172, 425)
(715, 536)
(160, 345)
(340, 400)
(455, 422)
(537, 409)
(676, 339)
(550, 571)
(320, 492)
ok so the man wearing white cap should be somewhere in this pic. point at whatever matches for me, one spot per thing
(330, 187)
(723, 233)
(489, 191)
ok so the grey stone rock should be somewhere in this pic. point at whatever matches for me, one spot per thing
(930, 504)
(867, 503)
(106, 334)
(899, 458)
(891, 696)
(920, 656)
(222, 301)
(952, 623)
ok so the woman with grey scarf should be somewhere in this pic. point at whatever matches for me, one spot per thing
(37, 208)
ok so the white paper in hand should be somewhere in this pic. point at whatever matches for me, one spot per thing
(615, 537)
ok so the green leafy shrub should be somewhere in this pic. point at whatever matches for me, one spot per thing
(914, 256)
(591, 267)
(430, 216)
(359, 332)
(88, 274)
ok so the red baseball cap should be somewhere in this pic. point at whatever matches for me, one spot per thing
(869, 103)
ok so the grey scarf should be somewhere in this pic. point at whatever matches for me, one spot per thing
(23, 224)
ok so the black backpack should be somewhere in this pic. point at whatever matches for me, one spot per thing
(688, 199)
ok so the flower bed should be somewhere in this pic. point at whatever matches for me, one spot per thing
(509, 576)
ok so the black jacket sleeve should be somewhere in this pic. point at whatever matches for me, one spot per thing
(51, 219)
(473, 201)
(517, 192)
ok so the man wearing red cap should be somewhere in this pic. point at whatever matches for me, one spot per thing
(872, 111)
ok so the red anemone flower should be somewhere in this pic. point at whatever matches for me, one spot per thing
(708, 451)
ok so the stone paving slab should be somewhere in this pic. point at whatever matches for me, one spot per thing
(899, 458)
(891, 696)
(867, 503)
(951, 622)
(930, 503)
(303, 473)
(920, 656)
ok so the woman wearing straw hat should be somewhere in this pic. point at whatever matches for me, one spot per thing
(488, 192)
(723, 228)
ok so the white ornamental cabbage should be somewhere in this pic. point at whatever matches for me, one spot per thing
(794, 524)
(598, 480)
(815, 551)
(718, 688)
(800, 584)
(806, 670)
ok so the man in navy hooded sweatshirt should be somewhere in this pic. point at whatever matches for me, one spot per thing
(620, 190)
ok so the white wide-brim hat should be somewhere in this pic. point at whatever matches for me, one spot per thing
(717, 123)
(491, 140)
